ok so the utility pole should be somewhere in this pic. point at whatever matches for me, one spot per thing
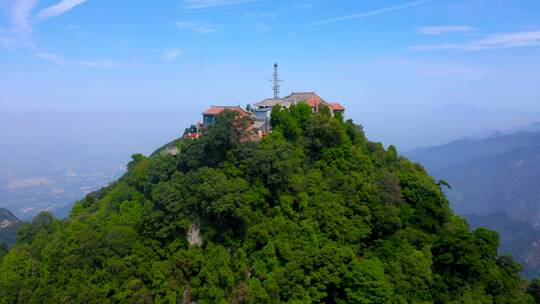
(277, 81)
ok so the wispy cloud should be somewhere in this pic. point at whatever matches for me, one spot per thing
(375, 12)
(103, 64)
(20, 13)
(205, 4)
(260, 15)
(451, 71)
(51, 57)
(58, 9)
(199, 27)
(171, 54)
(19, 35)
(438, 30)
(307, 4)
(62, 61)
(495, 41)
(261, 27)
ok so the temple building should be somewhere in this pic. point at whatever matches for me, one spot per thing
(310, 98)
(262, 112)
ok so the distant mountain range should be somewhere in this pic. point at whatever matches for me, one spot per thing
(500, 173)
(495, 183)
(533, 127)
(8, 226)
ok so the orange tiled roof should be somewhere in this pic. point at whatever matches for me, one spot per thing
(215, 110)
(314, 101)
(337, 107)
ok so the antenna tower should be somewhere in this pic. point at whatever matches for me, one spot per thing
(276, 87)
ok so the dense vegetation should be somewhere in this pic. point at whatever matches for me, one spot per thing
(313, 213)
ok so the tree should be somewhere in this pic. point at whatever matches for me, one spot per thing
(366, 283)
(534, 290)
(224, 135)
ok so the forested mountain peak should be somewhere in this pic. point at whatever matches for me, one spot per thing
(312, 213)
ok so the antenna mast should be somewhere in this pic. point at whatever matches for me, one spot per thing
(277, 81)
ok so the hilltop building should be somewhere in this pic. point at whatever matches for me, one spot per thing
(261, 114)
(209, 116)
(263, 110)
(310, 98)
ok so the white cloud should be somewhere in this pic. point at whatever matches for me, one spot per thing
(260, 15)
(103, 64)
(20, 13)
(261, 27)
(452, 71)
(16, 42)
(62, 61)
(203, 28)
(171, 54)
(205, 4)
(437, 30)
(307, 4)
(51, 57)
(375, 12)
(20, 33)
(495, 41)
(58, 9)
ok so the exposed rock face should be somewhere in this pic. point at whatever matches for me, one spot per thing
(171, 151)
(6, 223)
(194, 236)
(7, 215)
(9, 224)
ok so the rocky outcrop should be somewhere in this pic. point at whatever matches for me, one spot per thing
(194, 236)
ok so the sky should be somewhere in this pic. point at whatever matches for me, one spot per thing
(412, 72)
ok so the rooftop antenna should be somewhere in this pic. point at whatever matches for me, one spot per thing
(277, 81)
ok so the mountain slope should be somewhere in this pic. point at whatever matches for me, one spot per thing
(8, 226)
(490, 175)
(314, 213)
(508, 182)
(518, 238)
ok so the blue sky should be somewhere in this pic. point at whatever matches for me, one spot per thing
(412, 72)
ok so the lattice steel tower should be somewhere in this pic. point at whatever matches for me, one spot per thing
(276, 87)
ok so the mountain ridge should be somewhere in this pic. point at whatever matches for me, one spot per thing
(492, 175)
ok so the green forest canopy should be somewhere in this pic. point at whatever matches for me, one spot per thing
(313, 213)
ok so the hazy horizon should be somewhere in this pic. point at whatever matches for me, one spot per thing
(139, 131)
(413, 73)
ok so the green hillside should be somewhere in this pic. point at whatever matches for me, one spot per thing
(313, 213)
